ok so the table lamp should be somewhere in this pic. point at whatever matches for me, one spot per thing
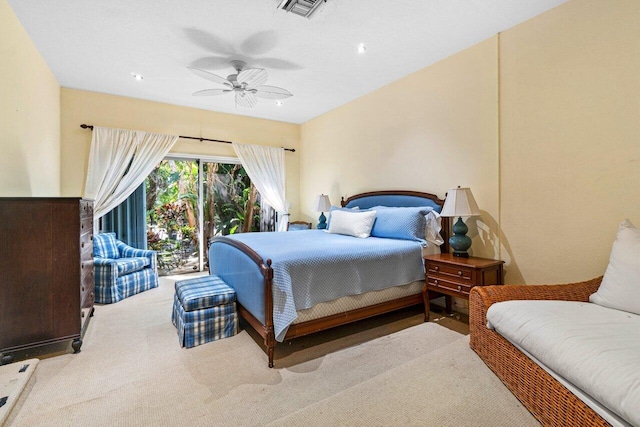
(323, 204)
(460, 202)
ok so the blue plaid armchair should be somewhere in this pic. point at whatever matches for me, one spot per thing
(120, 270)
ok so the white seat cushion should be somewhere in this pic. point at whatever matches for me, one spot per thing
(595, 348)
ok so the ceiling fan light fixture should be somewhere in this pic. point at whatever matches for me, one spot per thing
(279, 103)
(361, 48)
(247, 85)
(137, 76)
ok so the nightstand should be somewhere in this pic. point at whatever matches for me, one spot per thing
(455, 276)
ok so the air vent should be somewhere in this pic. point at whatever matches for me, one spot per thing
(300, 7)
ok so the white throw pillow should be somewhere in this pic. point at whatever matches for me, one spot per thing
(356, 224)
(620, 288)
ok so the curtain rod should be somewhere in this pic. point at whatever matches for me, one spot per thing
(90, 127)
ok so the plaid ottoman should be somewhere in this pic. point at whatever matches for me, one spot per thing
(204, 309)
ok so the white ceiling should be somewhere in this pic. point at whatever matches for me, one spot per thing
(97, 45)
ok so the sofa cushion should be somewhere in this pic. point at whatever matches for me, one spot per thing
(596, 349)
(620, 288)
(130, 265)
(104, 246)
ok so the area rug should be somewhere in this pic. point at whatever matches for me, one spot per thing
(132, 371)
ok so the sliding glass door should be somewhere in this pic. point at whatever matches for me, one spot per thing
(172, 215)
(189, 201)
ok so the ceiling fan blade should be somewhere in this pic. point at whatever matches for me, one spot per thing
(210, 76)
(252, 77)
(272, 92)
(211, 92)
(245, 99)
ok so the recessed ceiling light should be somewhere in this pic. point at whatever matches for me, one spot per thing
(279, 103)
(361, 48)
(137, 76)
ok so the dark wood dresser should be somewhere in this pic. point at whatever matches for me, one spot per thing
(46, 272)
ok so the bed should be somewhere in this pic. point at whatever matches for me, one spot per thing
(293, 284)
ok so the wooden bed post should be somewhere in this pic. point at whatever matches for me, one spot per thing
(269, 334)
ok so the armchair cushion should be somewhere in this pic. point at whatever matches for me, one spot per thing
(130, 265)
(105, 246)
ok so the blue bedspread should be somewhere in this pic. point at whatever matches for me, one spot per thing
(313, 266)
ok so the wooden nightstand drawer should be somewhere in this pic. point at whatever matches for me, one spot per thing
(458, 288)
(450, 272)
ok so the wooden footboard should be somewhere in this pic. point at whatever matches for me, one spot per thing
(266, 328)
(548, 400)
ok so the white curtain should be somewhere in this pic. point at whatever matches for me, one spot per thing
(265, 167)
(119, 162)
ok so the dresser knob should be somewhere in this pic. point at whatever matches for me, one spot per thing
(82, 245)
(82, 314)
(436, 268)
(459, 273)
(435, 282)
(459, 287)
(82, 265)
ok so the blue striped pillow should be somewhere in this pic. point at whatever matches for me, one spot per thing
(104, 246)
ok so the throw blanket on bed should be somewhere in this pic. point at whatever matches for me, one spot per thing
(312, 266)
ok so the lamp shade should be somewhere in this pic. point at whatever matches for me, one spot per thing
(460, 202)
(323, 204)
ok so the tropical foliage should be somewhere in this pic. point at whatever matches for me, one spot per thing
(231, 205)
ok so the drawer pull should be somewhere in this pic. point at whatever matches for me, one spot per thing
(82, 265)
(82, 314)
(82, 245)
(83, 289)
(459, 273)
(435, 282)
(436, 268)
(459, 288)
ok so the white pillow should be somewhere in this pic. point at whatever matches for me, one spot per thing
(620, 287)
(356, 224)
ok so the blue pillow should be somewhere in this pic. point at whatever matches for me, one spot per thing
(400, 223)
(104, 246)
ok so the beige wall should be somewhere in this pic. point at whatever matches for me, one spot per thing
(29, 115)
(430, 131)
(556, 180)
(570, 151)
(114, 111)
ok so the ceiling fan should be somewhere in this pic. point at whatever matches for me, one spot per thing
(246, 84)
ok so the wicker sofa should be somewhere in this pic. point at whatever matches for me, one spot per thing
(546, 398)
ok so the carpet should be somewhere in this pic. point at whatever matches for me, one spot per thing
(132, 372)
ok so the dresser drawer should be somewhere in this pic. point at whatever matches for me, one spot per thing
(88, 298)
(86, 241)
(86, 225)
(456, 288)
(86, 209)
(86, 276)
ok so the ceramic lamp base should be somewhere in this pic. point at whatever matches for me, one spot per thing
(460, 242)
(322, 221)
